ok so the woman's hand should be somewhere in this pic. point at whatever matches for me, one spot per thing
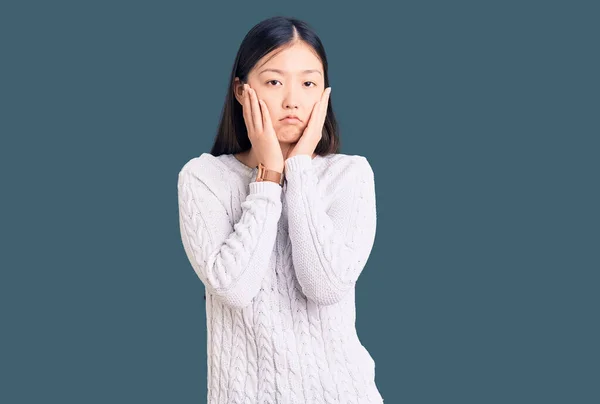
(261, 132)
(314, 130)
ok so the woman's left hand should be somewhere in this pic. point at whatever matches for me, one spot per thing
(314, 129)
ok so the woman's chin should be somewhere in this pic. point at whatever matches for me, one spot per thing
(289, 135)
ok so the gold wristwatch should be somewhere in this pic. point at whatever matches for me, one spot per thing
(264, 174)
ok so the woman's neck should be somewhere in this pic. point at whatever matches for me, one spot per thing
(249, 159)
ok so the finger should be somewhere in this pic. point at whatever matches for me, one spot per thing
(256, 118)
(266, 115)
(324, 105)
(314, 116)
(246, 109)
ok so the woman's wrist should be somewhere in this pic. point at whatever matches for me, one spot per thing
(267, 174)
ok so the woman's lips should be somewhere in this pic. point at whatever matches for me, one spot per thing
(291, 120)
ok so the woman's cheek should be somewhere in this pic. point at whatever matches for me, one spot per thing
(265, 100)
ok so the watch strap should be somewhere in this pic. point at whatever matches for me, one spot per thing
(264, 174)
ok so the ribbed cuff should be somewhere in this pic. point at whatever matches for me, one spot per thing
(267, 188)
(298, 163)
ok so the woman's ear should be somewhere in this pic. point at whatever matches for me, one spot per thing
(238, 90)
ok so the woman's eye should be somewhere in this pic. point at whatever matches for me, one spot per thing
(277, 81)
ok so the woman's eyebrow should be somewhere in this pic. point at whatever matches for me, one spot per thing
(282, 73)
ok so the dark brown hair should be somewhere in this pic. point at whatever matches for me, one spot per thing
(263, 38)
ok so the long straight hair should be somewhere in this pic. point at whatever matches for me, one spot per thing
(265, 37)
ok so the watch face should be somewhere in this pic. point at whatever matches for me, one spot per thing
(261, 173)
(265, 174)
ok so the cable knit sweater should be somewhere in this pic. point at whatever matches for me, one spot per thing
(279, 266)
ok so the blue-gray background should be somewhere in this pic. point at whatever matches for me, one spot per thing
(480, 120)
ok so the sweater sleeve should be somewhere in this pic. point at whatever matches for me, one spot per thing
(231, 260)
(330, 247)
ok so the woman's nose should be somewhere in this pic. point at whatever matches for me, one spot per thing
(290, 100)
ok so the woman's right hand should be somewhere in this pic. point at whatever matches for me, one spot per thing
(261, 132)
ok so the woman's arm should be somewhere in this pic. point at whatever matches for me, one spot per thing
(230, 260)
(330, 248)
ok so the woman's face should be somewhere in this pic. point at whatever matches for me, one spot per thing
(294, 88)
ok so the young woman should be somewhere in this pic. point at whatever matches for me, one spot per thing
(278, 225)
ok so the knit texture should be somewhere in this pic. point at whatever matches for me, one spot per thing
(279, 267)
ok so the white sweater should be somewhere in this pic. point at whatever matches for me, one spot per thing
(279, 267)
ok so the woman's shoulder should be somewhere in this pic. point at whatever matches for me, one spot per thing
(205, 164)
(213, 172)
(208, 165)
(345, 158)
(336, 164)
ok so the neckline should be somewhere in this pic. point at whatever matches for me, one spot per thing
(241, 164)
(248, 169)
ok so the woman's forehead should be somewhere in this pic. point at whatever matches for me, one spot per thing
(293, 60)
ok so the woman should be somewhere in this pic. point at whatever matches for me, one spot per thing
(278, 226)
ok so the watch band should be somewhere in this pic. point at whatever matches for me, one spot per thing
(264, 174)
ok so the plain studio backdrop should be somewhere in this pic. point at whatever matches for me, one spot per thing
(480, 120)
